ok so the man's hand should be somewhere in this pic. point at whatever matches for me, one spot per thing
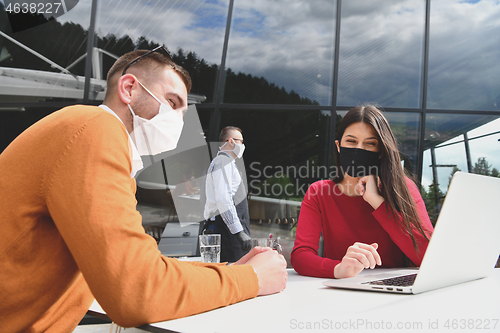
(270, 267)
(253, 252)
(358, 257)
(245, 240)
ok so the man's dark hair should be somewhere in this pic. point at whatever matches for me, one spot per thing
(224, 134)
(151, 62)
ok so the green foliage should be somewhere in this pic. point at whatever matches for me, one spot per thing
(481, 167)
(433, 206)
(495, 173)
(245, 88)
(455, 169)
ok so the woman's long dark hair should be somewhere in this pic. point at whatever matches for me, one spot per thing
(392, 175)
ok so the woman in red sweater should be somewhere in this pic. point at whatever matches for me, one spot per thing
(370, 214)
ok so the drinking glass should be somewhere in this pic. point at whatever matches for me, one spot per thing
(210, 247)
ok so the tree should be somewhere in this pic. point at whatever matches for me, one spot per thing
(433, 207)
(495, 172)
(482, 167)
(455, 169)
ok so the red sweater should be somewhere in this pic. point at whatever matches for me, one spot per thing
(344, 220)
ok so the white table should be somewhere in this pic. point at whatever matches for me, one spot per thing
(306, 305)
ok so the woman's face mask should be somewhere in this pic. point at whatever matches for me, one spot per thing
(160, 133)
(358, 162)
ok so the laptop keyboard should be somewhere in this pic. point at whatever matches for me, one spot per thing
(400, 281)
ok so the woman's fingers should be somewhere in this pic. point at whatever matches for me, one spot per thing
(367, 188)
(364, 184)
(376, 254)
(358, 257)
(366, 254)
(362, 258)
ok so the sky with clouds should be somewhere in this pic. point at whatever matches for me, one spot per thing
(381, 52)
(193, 25)
(291, 44)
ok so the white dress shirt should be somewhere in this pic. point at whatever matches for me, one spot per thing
(222, 183)
(135, 158)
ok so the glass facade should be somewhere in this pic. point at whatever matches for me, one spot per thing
(285, 72)
(41, 58)
(463, 55)
(457, 142)
(193, 33)
(278, 56)
(381, 53)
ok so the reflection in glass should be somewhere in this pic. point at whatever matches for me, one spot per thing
(169, 191)
(381, 53)
(285, 152)
(177, 174)
(193, 33)
(18, 119)
(464, 57)
(38, 64)
(484, 145)
(281, 52)
(466, 143)
(205, 115)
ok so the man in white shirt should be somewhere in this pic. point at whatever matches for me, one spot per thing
(226, 207)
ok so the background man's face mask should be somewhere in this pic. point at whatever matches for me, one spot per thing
(358, 162)
(160, 133)
(238, 150)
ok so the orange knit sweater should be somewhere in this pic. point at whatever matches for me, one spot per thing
(69, 232)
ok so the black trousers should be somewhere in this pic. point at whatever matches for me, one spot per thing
(230, 245)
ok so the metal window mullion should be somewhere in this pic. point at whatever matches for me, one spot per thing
(214, 121)
(336, 56)
(90, 48)
(423, 106)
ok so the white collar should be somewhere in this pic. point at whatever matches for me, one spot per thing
(135, 157)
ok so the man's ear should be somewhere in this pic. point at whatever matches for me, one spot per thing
(338, 145)
(126, 84)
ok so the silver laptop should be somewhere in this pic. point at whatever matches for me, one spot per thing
(465, 244)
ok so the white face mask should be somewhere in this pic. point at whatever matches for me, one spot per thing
(238, 150)
(160, 133)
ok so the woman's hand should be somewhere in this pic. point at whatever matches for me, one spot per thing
(368, 188)
(358, 257)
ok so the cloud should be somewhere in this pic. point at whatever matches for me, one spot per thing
(464, 53)
(286, 44)
(194, 25)
(291, 44)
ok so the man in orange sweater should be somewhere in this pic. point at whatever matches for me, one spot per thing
(70, 231)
